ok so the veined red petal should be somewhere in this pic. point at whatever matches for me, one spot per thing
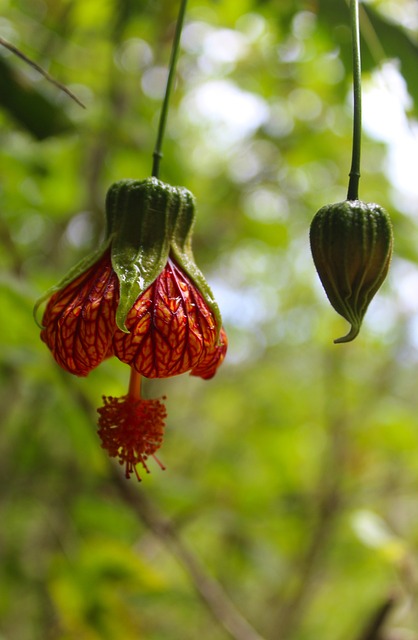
(213, 358)
(171, 327)
(79, 320)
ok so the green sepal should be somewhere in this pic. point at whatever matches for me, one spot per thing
(181, 249)
(72, 274)
(351, 245)
(140, 218)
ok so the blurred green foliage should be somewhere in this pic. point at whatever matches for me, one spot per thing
(292, 476)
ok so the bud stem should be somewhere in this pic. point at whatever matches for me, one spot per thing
(356, 149)
(135, 380)
(157, 155)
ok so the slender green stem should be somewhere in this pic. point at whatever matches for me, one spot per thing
(157, 155)
(356, 151)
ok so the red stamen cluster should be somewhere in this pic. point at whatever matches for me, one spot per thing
(132, 430)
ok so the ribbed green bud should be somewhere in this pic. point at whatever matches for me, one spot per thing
(351, 244)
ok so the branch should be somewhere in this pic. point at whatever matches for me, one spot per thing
(290, 613)
(374, 626)
(210, 591)
(40, 70)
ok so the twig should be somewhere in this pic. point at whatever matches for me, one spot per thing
(210, 591)
(375, 625)
(40, 70)
(329, 502)
(290, 613)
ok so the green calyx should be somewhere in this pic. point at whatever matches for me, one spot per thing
(140, 217)
(351, 244)
(181, 250)
(147, 221)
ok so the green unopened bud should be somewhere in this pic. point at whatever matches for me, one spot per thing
(351, 244)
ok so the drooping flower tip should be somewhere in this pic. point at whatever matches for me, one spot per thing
(132, 430)
(213, 358)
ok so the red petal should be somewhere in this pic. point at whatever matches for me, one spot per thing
(171, 327)
(79, 320)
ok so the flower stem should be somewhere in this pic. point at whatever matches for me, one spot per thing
(135, 380)
(157, 154)
(356, 150)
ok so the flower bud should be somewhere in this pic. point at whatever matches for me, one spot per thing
(351, 244)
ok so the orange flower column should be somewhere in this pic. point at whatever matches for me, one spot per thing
(132, 428)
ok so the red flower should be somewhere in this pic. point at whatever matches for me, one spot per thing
(171, 328)
(142, 299)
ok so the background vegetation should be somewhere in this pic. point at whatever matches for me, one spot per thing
(289, 507)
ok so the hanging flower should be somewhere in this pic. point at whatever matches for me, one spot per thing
(140, 298)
